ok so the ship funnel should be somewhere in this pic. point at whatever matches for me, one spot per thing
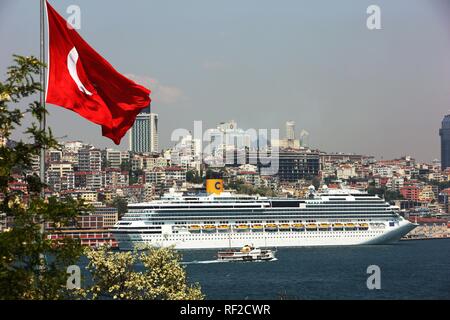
(214, 186)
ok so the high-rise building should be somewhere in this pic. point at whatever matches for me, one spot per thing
(289, 141)
(444, 132)
(288, 165)
(290, 130)
(144, 133)
(113, 158)
(89, 159)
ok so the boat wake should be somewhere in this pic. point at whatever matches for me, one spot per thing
(202, 262)
(223, 261)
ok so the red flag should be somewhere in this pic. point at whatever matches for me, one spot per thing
(81, 80)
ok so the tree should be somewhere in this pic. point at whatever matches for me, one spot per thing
(31, 266)
(388, 195)
(193, 176)
(35, 267)
(125, 166)
(163, 278)
(121, 204)
(316, 182)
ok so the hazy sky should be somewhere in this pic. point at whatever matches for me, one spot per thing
(381, 92)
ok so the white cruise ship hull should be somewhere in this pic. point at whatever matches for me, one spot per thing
(278, 239)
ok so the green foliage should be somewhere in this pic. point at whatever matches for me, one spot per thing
(245, 188)
(31, 266)
(34, 267)
(134, 176)
(316, 182)
(388, 195)
(163, 278)
(125, 166)
(121, 204)
(193, 176)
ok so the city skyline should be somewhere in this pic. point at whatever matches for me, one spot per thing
(324, 71)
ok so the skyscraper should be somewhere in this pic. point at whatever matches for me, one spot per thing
(144, 133)
(444, 132)
(290, 130)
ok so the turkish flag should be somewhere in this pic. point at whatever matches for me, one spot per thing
(81, 80)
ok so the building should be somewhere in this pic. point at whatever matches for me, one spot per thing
(144, 133)
(60, 176)
(410, 192)
(289, 165)
(346, 171)
(444, 133)
(110, 216)
(89, 159)
(289, 141)
(113, 158)
(290, 130)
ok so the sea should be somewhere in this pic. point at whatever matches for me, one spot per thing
(413, 269)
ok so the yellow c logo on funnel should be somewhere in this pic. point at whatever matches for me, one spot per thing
(214, 186)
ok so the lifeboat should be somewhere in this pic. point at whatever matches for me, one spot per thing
(363, 226)
(350, 226)
(324, 227)
(298, 227)
(223, 228)
(241, 227)
(311, 227)
(285, 227)
(271, 227)
(194, 228)
(338, 226)
(209, 228)
(257, 227)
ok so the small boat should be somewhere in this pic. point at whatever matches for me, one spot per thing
(271, 227)
(285, 227)
(363, 226)
(223, 228)
(209, 228)
(298, 227)
(338, 226)
(241, 228)
(324, 227)
(246, 253)
(311, 227)
(194, 228)
(257, 227)
(350, 226)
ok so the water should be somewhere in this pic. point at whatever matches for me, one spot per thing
(409, 270)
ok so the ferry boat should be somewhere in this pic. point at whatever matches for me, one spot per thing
(336, 217)
(247, 253)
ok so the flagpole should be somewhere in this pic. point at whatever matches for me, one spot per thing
(43, 80)
(42, 123)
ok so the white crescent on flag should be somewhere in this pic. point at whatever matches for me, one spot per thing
(72, 59)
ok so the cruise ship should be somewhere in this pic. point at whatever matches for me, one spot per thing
(331, 217)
